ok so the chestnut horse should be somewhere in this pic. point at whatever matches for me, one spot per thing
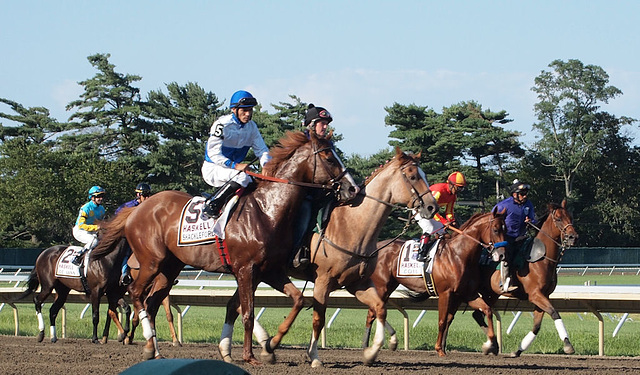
(259, 232)
(345, 254)
(103, 277)
(456, 273)
(538, 280)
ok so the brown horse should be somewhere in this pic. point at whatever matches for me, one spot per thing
(103, 277)
(160, 283)
(456, 272)
(345, 255)
(259, 232)
(538, 280)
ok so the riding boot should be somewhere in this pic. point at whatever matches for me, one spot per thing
(213, 205)
(505, 279)
(426, 241)
(78, 258)
(126, 278)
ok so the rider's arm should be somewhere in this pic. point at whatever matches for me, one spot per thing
(82, 222)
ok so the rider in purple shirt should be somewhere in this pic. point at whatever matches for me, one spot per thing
(143, 191)
(519, 211)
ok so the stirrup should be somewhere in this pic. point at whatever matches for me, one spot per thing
(506, 288)
(126, 279)
(77, 260)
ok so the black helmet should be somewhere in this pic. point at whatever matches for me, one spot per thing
(143, 189)
(518, 187)
(316, 113)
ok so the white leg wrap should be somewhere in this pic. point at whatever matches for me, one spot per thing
(379, 337)
(313, 349)
(52, 331)
(526, 341)
(225, 340)
(40, 322)
(260, 333)
(147, 332)
(562, 332)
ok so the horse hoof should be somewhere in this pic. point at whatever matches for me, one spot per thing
(227, 358)
(104, 340)
(148, 354)
(516, 354)
(370, 355)
(121, 337)
(267, 357)
(40, 336)
(441, 353)
(393, 344)
(54, 339)
(568, 348)
(176, 344)
(316, 363)
(94, 341)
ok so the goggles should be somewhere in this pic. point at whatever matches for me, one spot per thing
(245, 102)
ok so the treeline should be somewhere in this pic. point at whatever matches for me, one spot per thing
(117, 137)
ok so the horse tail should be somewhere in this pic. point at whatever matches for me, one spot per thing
(111, 234)
(32, 285)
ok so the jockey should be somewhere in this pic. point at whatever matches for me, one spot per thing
(316, 121)
(445, 194)
(229, 141)
(85, 230)
(519, 212)
(143, 191)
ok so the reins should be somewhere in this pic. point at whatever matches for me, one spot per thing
(561, 245)
(289, 182)
(489, 246)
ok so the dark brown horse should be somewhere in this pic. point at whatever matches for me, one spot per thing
(259, 232)
(455, 275)
(538, 280)
(103, 277)
(345, 255)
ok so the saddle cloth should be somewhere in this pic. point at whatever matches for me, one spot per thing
(408, 265)
(64, 267)
(195, 230)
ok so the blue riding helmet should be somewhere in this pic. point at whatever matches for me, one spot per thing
(96, 190)
(242, 99)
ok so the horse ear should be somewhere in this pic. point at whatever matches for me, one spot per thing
(329, 135)
(564, 203)
(418, 155)
(398, 151)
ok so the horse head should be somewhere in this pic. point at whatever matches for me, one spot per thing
(402, 180)
(342, 182)
(563, 223)
(496, 235)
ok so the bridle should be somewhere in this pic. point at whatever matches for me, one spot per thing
(490, 247)
(562, 228)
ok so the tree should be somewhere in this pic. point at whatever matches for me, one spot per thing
(568, 115)
(108, 115)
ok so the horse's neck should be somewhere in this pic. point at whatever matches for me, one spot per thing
(358, 226)
(550, 236)
(464, 244)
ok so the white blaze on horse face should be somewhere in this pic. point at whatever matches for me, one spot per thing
(423, 176)
(354, 187)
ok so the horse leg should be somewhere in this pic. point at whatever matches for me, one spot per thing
(59, 301)
(172, 328)
(368, 295)
(134, 324)
(38, 301)
(247, 283)
(491, 346)
(320, 296)
(444, 308)
(95, 315)
(112, 314)
(226, 337)
(284, 285)
(543, 303)
(371, 316)
(126, 312)
(137, 289)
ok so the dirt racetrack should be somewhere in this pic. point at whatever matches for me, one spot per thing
(23, 355)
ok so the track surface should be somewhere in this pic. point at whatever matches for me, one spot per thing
(23, 355)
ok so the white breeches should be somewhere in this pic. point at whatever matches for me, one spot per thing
(86, 238)
(429, 226)
(216, 175)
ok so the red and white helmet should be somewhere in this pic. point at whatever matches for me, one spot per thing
(457, 179)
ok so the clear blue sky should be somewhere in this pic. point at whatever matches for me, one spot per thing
(352, 57)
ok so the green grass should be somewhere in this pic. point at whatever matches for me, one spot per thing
(204, 324)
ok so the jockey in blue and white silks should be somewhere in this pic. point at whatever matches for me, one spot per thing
(230, 138)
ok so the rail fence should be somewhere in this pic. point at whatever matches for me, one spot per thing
(197, 288)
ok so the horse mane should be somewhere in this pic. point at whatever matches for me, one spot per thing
(283, 150)
(401, 157)
(550, 208)
(475, 217)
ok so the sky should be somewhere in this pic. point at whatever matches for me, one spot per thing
(352, 57)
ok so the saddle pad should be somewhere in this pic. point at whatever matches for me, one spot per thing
(408, 266)
(64, 267)
(195, 230)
